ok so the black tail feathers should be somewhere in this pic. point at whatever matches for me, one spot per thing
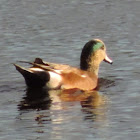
(35, 79)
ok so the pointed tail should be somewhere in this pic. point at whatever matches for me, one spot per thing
(34, 78)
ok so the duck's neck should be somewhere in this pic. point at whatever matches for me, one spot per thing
(91, 65)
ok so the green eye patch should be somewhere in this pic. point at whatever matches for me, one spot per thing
(97, 46)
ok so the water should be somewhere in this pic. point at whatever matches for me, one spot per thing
(56, 31)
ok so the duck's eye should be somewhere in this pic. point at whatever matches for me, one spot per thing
(102, 48)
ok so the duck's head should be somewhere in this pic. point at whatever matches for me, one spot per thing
(93, 53)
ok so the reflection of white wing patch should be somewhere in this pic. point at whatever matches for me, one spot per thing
(55, 80)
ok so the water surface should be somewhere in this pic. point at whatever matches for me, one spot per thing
(56, 31)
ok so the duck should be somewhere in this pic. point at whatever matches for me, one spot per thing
(63, 76)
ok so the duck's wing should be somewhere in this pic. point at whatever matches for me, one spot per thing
(52, 65)
(40, 75)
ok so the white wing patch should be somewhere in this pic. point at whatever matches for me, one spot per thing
(55, 80)
(36, 69)
(84, 76)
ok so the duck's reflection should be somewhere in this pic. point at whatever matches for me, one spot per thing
(93, 104)
(95, 107)
(35, 98)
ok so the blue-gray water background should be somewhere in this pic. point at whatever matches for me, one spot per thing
(56, 31)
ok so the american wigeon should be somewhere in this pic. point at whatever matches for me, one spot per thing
(59, 76)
